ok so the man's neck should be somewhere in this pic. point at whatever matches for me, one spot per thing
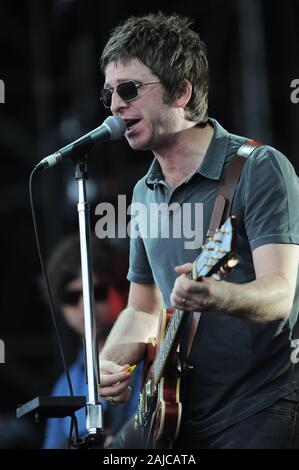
(180, 158)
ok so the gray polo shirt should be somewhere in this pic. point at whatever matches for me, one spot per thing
(239, 367)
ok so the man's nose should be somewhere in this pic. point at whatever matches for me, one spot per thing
(117, 103)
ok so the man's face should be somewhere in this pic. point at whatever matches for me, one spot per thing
(155, 120)
(74, 313)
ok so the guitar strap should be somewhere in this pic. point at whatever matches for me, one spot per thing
(223, 204)
(228, 184)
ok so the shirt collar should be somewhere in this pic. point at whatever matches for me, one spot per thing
(154, 174)
(212, 164)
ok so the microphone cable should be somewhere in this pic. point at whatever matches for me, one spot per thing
(74, 424)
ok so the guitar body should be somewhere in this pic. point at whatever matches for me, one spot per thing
(168, 412)
(166, 416)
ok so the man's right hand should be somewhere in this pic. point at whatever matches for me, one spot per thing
(114, 382)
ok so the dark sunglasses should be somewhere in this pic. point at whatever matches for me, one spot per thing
(127, 91)
(71, 297)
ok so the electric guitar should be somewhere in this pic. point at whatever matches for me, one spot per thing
(159, 408)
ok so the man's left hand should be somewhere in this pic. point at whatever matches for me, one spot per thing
(193, 296)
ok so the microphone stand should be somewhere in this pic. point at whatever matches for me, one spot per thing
(94, 409)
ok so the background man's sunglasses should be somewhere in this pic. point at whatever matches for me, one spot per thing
(127, 91)
(71, 297)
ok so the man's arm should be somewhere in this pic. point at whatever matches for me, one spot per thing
(269, 297)
(138, 322)
(126, 343)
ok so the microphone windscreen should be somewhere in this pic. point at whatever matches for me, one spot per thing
(117, 127)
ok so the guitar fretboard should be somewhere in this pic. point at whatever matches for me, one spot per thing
(166, 346)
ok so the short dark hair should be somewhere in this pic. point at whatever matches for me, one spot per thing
(109, 264)
(173, 52)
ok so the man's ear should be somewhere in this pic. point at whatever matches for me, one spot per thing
(184, 94)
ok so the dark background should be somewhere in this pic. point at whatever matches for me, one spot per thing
(49, 62)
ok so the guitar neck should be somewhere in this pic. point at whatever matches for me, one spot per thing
(216, 256)
(172, 333)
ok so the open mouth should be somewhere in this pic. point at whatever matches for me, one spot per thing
(132, 123)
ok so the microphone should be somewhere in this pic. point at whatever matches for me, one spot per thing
(113, 128)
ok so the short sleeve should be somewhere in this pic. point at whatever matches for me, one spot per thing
(270, 199)
(139, 267)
